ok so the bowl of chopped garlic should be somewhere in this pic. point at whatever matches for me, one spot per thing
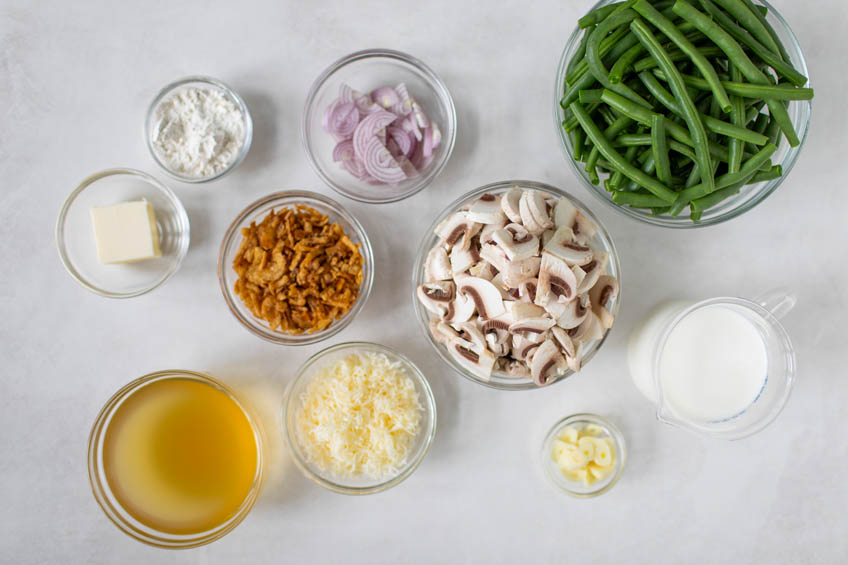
(584, 455)
(295, 267)
(358, 418)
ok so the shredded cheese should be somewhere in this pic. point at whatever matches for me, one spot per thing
(359, 416)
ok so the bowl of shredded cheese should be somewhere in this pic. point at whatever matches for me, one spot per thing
(359, 418)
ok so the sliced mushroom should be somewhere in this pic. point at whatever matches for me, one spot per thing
(517, 369)
(479, 362)
(574, 363)
(604, 290)
(589, 329)
(462, 259)
(539, 208)
(487, 210)
(527, 289)
(564, 213)
(497, 280)
(457, 230)
(496, 332)
(513, 273)
(527, 219)
(587, 275)
(484, 270)
(574, 313)
(556, 281)
(562, 245)
(533, 329)
(488, 229)
(486, 296)
(442, 332)
(523, 348)
(509, 204)
(547, 363)
(564, 341)
(516, 242)
(583, 229)
(437, 267)
(471, 335)
(525, 310)
(460, 310)
(436, 296)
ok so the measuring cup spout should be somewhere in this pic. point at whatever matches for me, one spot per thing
(779, 301)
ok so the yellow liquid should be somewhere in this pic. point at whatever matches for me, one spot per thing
(180, 456)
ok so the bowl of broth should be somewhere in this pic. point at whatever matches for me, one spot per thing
(175, 459)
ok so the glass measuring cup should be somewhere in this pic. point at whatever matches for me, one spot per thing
(650, 338)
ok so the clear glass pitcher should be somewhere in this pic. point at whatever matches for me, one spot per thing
(648, 344)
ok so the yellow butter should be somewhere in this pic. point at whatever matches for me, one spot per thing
(125, 232)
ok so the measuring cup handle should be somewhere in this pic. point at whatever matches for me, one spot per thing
(778, 301)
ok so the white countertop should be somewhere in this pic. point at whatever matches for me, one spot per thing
(75, 81)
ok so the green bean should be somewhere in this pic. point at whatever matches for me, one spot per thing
(597, 16)
(761, 12)
(676, 56)
(737, 56)
(747, 170)
(736, 146)
(616, 160)
(607, 45)
(578, 55)
(578, 136)
(698, 59)
(747, 90)
(596, 65)
(589, 96)
(607, 115)
(617, 179)
(659, 145)
(617, 126)
(712, 124)
(777, 61)
(693, 121)
(592, 164)
(638, 200)
(771, 173)
(625, 62)
(749, 22)
(643, 116)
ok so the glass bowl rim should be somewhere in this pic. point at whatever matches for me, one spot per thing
(612, 430)
(756, 196)
(59, 236)
(436, 84)
(429, 404)
(367, 252)
(425, 246)
(230, 93)
(96, 482)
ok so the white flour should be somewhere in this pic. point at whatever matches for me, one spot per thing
(199, 132)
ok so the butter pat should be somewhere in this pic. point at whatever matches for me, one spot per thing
(125, 232)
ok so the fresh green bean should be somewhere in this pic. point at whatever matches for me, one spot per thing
(608, 44)
(761, 12)
(736, 146)
(590, 96)
(749, 22)
(638, 200)
(659, 145)
(678, 88)
(699, 205)
(579, 53)
(737, 56)
(624, 62)
(578, 137)
(597, 16)
(698, 59)
(617, 179)
(676, 56)
(771, 173)
(777, 61)
(615, 159)
(748, 90)
(747, 170)
(596, 65)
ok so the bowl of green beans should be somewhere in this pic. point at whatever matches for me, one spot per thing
(682, 113)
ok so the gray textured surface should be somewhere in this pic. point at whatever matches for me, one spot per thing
(75, 80)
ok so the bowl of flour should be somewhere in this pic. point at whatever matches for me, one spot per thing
(198, 129)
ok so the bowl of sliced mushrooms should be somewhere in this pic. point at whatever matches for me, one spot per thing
(516, 285)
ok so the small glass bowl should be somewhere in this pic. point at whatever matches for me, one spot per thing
(750, 195)
(197, 82)
(578, 489)
(365, 71)
(108, 501)
(78, 249)
(601, 241)
(256, 212)
(358, 485)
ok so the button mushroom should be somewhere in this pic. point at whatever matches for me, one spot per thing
(457, 230)
(573, 314)
(604, 290)
(583, 229)
(547, 363)
(532, 329)
(487, 298)
(591, 271)
(516, 242)
(461, 309)
(462, 259)
(437, 267)
(564, 213)
(487, 210)
(436, 296)
(528, 220)
(509, 204)
(563, 245)
(556, 280)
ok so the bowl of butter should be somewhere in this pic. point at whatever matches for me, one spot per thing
(121, 233)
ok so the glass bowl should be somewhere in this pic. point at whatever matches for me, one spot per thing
(365, 71)
(601, 241)
(78, 249)
(255, 212)
(106, 498)
(578, 489)
(750, 195)
(358, 485)
(197, 82)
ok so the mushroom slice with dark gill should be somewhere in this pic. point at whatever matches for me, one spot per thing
(457, 230)
(556, 281)
(436, 296)
(486, 296)
(574, 313)
(563, 245)
(532, 329)
(487, 210)
(547, 363)
(528, 220)
(516, 242)
(438, 266)
(605, 289)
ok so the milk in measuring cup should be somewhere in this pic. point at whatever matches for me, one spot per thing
(713, 365)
